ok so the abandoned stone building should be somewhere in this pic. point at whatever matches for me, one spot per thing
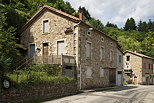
(54, 37)
(138, 68)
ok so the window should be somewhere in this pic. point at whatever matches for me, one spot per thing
(45, 26)
(89, 72)
(88, 32)
(149, 66)
(88, 49)
(102, 39)
(111, 55)
(127, 66)
(111, 43)
(120, 58)
(101, 53)
(101, 72)
(144, 66)
(128, 58)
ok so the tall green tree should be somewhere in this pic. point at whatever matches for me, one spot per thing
(130, 24)
(85, 12)
(148, 44)
(96, 23)
(111, 25)
(8, 51)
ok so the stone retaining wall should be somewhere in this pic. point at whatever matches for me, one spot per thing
(47, 91)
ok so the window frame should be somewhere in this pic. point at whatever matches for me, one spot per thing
(101, 54)
(43, 24)
(102, 72)
(127, 58)
(89, 31)
(90, 49)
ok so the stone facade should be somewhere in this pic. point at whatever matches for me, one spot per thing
(75, 44)
(97, 40)
(138, 64)
(57, 27)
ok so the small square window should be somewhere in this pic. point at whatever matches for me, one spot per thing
(128, 58)
(89, 32)
(111, 43)
(102, 39)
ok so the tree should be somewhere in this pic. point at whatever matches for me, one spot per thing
(8, 51)
(130, 24)
(148, 44)
(96, 23)
(111, 25)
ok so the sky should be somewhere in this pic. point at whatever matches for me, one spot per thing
(117, 11)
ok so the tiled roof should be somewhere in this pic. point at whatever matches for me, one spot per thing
(61, 12)
(73, 18)
(138, 54)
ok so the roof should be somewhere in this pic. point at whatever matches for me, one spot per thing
(42, 9)
(56, 11)
(138, 54)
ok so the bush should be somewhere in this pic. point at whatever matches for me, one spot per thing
(125, 83)
(51, 69)
(38, 73)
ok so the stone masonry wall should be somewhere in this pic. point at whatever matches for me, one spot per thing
(135, 64)
(57, 27)
(97, 41)
(41, 91)
(145, 66)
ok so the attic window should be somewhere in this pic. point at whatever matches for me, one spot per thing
(111, 43)
(45, 26)
(89, 33)
(102, 39)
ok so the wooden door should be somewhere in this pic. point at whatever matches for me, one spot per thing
(112, 76)
(45, 52)
(60, 48)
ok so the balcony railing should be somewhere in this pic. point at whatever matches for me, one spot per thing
(55, 59)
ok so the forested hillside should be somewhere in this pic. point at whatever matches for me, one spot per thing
(15, 13)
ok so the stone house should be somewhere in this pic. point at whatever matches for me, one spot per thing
(138, 67)
(119, 69)
(53, 36)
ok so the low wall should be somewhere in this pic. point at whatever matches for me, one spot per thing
(47, 91)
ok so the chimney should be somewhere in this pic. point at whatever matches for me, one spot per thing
(81, 15)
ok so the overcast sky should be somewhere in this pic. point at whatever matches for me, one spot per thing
(117, 11)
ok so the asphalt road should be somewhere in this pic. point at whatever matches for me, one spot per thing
(127, 94)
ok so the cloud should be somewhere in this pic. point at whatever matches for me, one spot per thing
(117, 11)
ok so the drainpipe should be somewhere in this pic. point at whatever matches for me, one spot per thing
(73, 52)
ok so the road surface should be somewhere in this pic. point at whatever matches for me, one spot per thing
(127, 94)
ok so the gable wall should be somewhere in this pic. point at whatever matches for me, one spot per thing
(57, 26)
(135, 64)
(94, 62)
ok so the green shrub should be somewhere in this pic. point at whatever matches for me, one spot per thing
(51, 69)
(125, 83)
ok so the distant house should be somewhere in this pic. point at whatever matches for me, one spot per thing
(55, 37)
(138, 67)
(119, 70)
